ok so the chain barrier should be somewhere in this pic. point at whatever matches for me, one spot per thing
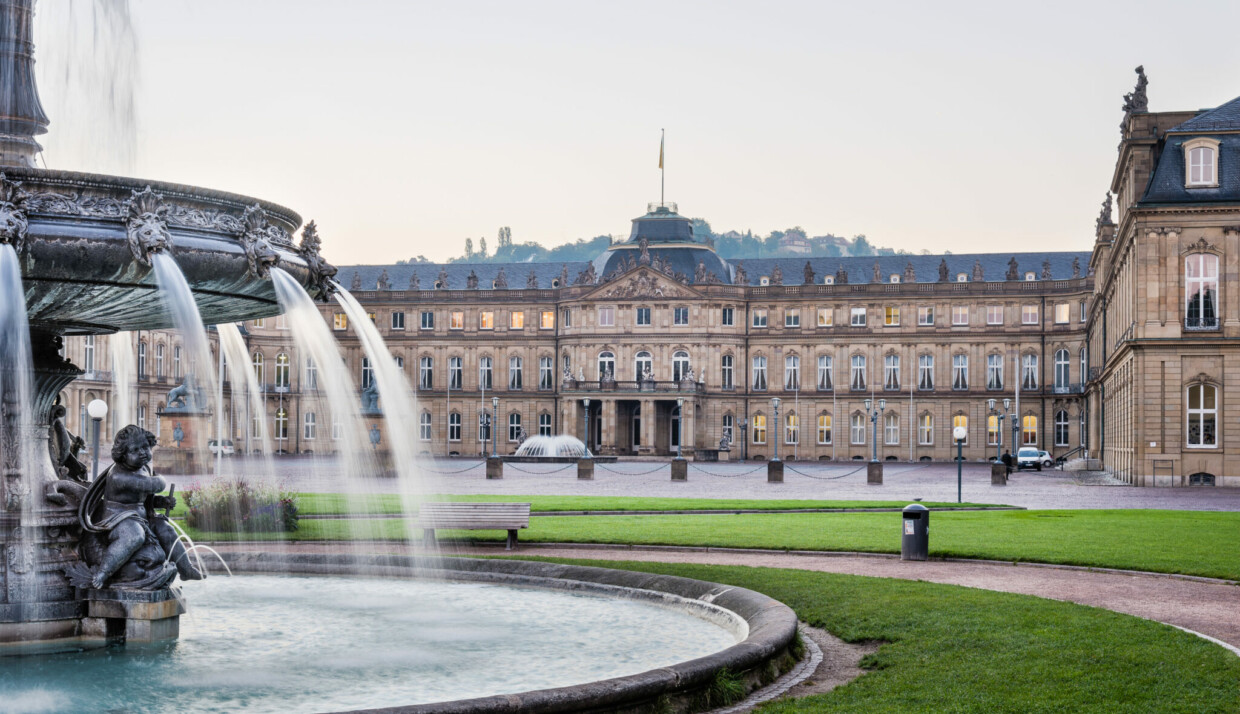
(821, 478)
(552, 471)
(695, 467)
(660, 467)
(449, 473)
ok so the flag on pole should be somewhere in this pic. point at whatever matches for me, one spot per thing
(660, 151)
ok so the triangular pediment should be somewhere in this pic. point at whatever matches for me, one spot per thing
(642, 282)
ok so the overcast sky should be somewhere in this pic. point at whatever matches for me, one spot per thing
(405, 127)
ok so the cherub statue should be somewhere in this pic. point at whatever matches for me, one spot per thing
(125, 543)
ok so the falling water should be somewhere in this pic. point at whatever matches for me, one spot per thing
(120, 346)
(242, 380)
(16, 392)
(397, 400)
(185, 318)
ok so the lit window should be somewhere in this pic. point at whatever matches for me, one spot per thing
(607, 316)
(792, 429)
(961, 420)
(728, 317)
(260, 322)
(680, 316)
(428, 320)
(792, 317)
(857, 317)
(857, 376)
(960, 372)
(824, 428)
(546, 320)
(1202, 416)
(456, 320)
(1063, 313)
(857, 429)
(891, 373)
(759, 428)
(960, 315)
(759, 317)
(1201, 164)
(486, 320)
(925, 372)
(1029, 430)
(398, 320)
(1061, 428)
(373, 318)
(891, 316)
(1029, 315)
(1201, 292)
(643, 316)
(925, 316)
(891, 429)
(759, 373)
(826, 317)
(516, 320)
(994, 314)
(992, 430)
(340, 321)
(925, 430)
(826, 378)
(792, 373)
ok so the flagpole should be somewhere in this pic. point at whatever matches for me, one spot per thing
(662, 171)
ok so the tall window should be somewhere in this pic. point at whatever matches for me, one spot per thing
(1201, 163)
(456, 320)
(925, 430)
(257, 357)
(891, 428)
(368, 373)
(546, 320)
(514, 372)
(141, 360)
(680, 316)
(857, 317)
(309, 426)
(792, 429)
(486, 320)
(826, 317)
(891, 372)
(759, 373)
(824, 428)
(792, 317)
(792, 372)
(544, 424)
(283, 367)
(1061, 370)
(891, 316)
(643, 363)
(606, 365)
(424, 426)
(992, 430)
(159, 361)
(826, 380)
(176, 360)
(312, 374)
(454, 426)
(759, 428)
(281, 424)
(484, 426)
(337, 430)
(643, 316)
(1063, 313)
(340, 321)
(566, 317)
(514, 426)
(1029, 372)
(856, 380)
(428, 320)
(727, 365)
(1029, 430)
(857, 429)
(546, 373)
(1202, 416)
(142, 416)
(925, 372)
(728, 316)
(961, 420)
(1201, 291)
(1029, 315)
(456, 373)
(680, 365)
(728, 430)
(960, 372)
(426, 372)
(1061, 428)
(1084, 357)
(994, 314)
(485, 369)
(88, 354)
(994, 372)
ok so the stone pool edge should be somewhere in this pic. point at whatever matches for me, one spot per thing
(767, 650)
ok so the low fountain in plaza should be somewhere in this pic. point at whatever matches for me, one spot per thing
(93, 562)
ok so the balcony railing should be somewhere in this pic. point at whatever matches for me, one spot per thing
(1200, 324)
(645, 385)
(1076, 388)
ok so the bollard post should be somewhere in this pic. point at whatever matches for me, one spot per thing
(585, 469)
(680, 470)
(495, 468)
(774, 471)
(874, 473)
(998, 474)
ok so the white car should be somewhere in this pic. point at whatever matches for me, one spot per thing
(227, 449)
(1030, 458)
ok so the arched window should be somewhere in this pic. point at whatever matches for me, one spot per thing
(1202, 416)
(281, 424)
(456, 373)
(1061, 370)
(680, 365)
(1061, 428)
(310, 426)
(282, 371)
(368, 372)
(546, 373)
(514, 426)
(1201, 291)
(826, 378)
(257, 359)
(728, 422)
(824, 428)
(925, 429)
(606, 365)
(857, 428)
(727, 367)
(1029, 430)
(759, 373)
(424, 426)
(1201, 164)
(141, 360)
(792, 428)
(994, 372)
(792, 373)
(643, 364)
(856, 379)
(514, 372)
(891, 428)
(426, 372)
(485, 369)
(544, 424)
(759, 429)
(88, 354)
(961, 420)
(1029, 372)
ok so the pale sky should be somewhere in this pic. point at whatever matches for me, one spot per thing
(404, 127)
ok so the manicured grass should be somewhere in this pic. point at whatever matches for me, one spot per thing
(956, 649)
(1189, 542)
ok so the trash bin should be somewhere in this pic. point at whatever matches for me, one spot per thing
(915, 541)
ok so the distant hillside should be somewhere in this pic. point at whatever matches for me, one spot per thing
(732, 245)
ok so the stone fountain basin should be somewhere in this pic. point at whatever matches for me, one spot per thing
(81, 278)
(769, 626)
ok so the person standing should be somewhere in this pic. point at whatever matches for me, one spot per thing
(1007, 461)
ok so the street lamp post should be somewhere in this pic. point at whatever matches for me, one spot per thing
(776, 429)
(97, 409)
(960, 433)
(494, 425)
(1001, 416)
(744, 423)
(882, 406)
(585, 423)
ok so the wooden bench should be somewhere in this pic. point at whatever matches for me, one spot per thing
(474, 517)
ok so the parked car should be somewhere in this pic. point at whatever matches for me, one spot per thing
(1030, 458)
(227, 449)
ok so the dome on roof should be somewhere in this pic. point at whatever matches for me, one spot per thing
(668, 237)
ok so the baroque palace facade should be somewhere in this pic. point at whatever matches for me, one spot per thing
(1120, 354)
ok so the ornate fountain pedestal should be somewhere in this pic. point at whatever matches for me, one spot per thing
(136, 616)
(182, 441)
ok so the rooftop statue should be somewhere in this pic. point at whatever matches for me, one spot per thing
(878, 278)
(809, 274)
(125, 543)
(841, 276)
(471, 281)
(1136, 100)
(501, 280)
(415, 283)
(1013, 271)
(978, 274)
(532, 281)
(443, 279)
(910, 275)
(741, 277)
(1104, 214)
(645, 256)
(356, 283)
(1046, 269)
(384, 283)
(777, 275)
(1076, 267)
(943, 270)
(699, 273)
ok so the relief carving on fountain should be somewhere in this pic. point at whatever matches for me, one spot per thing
(323, 273)
(145, 225)
(13, 205)
(256, 241)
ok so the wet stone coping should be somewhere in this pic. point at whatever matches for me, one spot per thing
(769, 627)
(677, 512)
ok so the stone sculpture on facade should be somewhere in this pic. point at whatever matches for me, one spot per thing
(563, 276)
(322, 273)
(1137, 100)
(587, 276)
(699, 273)
(356, 283)
(910, 275)
(878, 277)
(256, 241)
(501, 280)
(125, 544)
(531, 282)
(471, 281)
(741, 277)
(777, 275)
(1013, 271)
(808, 274)
(370, 398)
(442, 280)
(1104, 214)
(145, 225)
(384, 283)
(13, 221)
(645, 254)
(1076, 267)
(943, 271)
(1046, 269)
(841, 275)
(978, 274)
(415, 283)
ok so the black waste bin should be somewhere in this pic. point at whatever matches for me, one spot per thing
(915, 541)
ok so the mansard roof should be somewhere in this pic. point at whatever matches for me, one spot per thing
(1167, 182)
(926, 267)
(1222, 118)
(458, 274)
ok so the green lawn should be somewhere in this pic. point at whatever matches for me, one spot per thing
(956, 649)
(1189, 542)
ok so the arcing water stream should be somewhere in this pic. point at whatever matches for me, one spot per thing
(177, 298)
(243, 381)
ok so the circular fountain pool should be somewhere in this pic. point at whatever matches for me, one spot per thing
(270, 643)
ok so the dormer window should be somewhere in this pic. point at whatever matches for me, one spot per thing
(1031, 276)
(1201, 163)
(764, 280)
(895, 278)
(828, 280)
(962, 277)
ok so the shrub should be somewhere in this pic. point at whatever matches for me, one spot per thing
(237, 506)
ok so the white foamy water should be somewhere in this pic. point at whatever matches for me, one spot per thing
(124, 374)
(179, 302)
(247, 393)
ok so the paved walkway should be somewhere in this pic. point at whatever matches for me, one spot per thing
(803, 480)
(1211, 608)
